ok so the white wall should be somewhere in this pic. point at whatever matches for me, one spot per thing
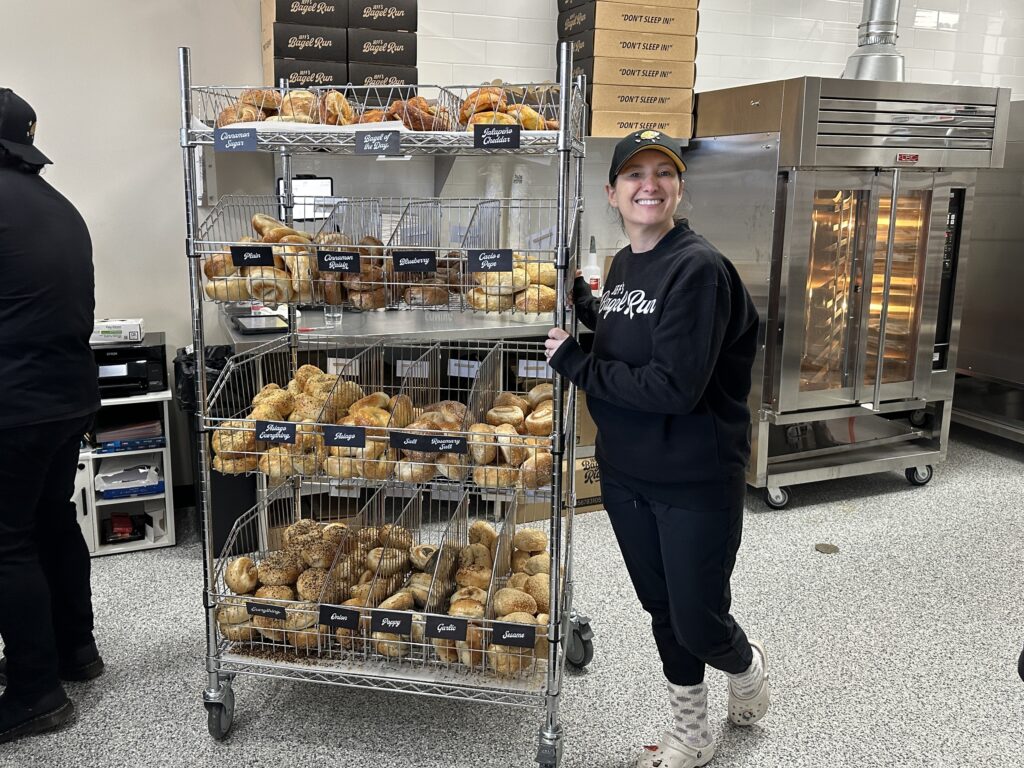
(981, 42)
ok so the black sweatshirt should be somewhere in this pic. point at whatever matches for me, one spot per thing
(47, 369)
(668, 379)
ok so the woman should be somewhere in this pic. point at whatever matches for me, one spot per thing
(667, 385)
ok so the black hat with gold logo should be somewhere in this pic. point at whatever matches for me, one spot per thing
(18, 128)
(638, 141)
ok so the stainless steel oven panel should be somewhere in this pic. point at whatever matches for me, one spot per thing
(731, 185)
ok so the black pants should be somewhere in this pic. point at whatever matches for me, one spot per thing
(680, 559)
(45, 597)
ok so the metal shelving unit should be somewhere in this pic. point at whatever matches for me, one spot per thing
(437, 510)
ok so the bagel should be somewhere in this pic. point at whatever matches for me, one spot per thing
(400, 601)
(319, 554)
(467, 609)
(422, 556)
(387, 562)
(475, 554)
(540, 393)
(234, 440)
(316, 585)
(518, 563)
(452, 466)
(517, 580)
(510, 445)
(414, 472)
(473, 576)
(537, 587)
(482, 532)
(272, 629)
(278, 569)
(235, 466)
(500, 476)
(538, 564)
(532, 540)
(469, 593)
(241, 576)
(509, 600)
(483, 447)
(536, 471)
(302, 532)
(506, 414)
(232, 610)
(238, 633)
(539, 422)
(511, 398)
(502, 283)
(392, 646)
(391, 535)
(278, 592)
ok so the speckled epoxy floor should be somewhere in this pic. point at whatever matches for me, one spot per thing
(900, 650)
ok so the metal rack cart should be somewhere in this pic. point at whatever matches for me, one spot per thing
(435, 492)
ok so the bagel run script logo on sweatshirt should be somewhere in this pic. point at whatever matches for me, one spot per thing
(628, 303)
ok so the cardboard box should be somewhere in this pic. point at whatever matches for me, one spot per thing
(599, 14)
(619, 124)
(380, 74)
(322, 13)
(375, 46)
(640, 45)
(300, 74)
(636, 72)
(299, 41)
(116, 330)
(586, 430)
(588, 494)
(661, 101)
(393, 15)
(565, 5)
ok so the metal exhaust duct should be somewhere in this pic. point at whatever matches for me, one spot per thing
(876, 57)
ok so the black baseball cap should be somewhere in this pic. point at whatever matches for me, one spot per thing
(18, 128)
(638, 141)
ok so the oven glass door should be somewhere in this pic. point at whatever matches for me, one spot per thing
(900, 303)
(830, 238)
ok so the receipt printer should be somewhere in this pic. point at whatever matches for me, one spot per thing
(132, 369)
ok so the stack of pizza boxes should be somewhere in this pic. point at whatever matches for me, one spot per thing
(638, 60)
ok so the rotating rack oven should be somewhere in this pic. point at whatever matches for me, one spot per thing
(859, 297)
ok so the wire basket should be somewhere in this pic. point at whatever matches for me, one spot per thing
(363, 254)
(448, 414)
(398, 581)
(422, 108)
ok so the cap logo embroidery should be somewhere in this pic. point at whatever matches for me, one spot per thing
(31, 131)
(650, 135)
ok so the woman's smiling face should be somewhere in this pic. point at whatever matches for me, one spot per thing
(647, 190)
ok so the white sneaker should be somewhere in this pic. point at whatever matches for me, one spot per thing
(672, 752)
(747, 711)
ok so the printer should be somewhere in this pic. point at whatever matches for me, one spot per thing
(134, 368)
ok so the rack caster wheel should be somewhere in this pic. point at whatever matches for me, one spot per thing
(918, 418)
(919, 475)
(579, 649)
(776, 498)
(221, 714)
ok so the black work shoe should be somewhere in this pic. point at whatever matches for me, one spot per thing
(18, 719)
(84, 664)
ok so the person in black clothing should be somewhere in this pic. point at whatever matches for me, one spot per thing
(667, 382)
(51, 394)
